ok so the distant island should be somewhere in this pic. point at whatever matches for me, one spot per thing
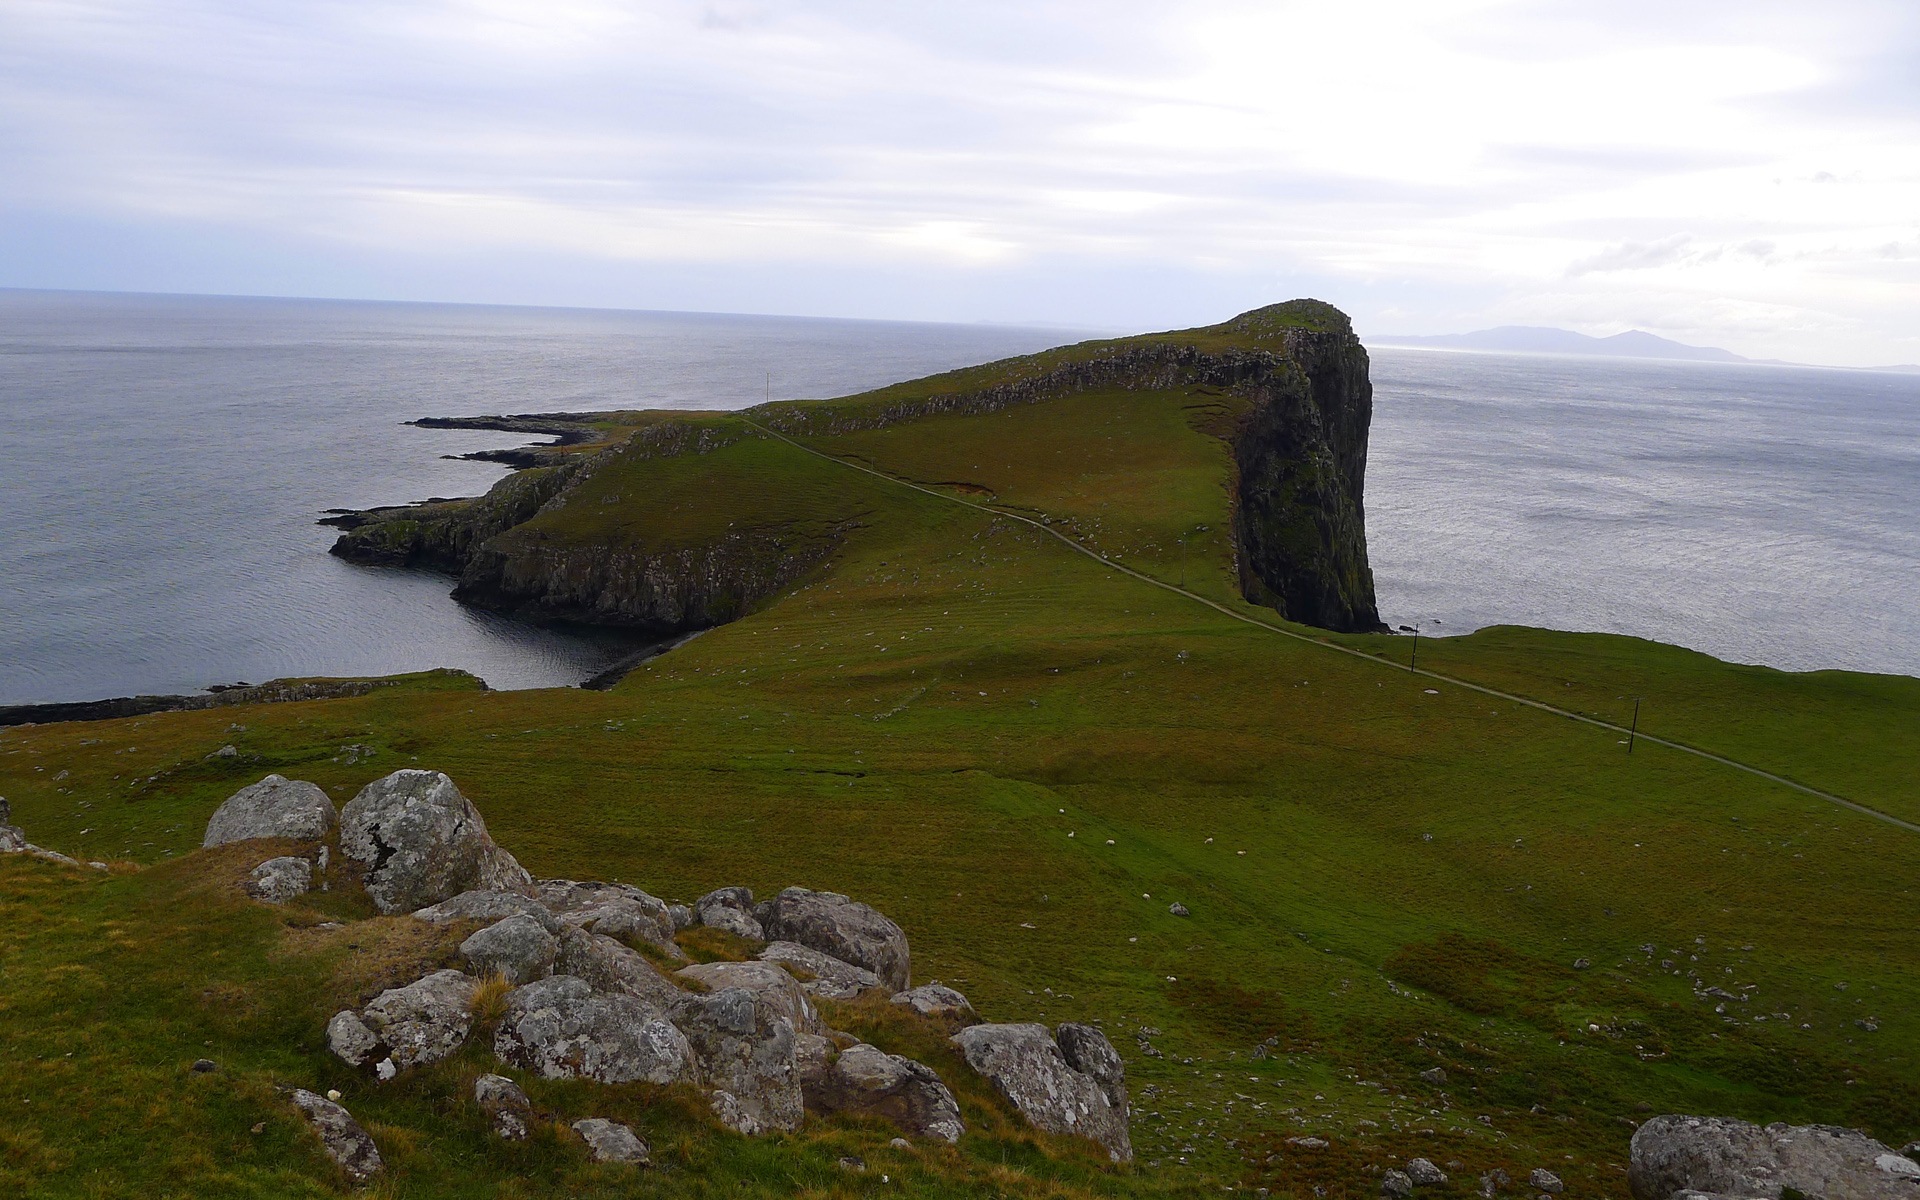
(1538, 339)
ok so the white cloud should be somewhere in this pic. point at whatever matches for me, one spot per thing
(1731, 171)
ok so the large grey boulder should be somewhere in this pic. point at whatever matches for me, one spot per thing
(1028, 1068)
(832, 978)
(276, 807)
(506, 1106)
(770, 980)
(847, 929)
(616, 910)
(560, 1028)
(1088, 1051)
(746, 1049)
(422, 842)
(610, 1141)
(610, 966)
(423, 1022)
(489, 906)
(872, 1082)
(517, 948)
(340, 1135)
(279, 880)
(731, 909)
(939, 1001)
(1674, 1154)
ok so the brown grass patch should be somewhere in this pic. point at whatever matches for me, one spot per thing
(489, 1002)
(705, 944)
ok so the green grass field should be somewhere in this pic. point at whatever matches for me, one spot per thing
(1024, 756)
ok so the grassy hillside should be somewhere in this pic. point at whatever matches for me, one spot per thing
(1024, 755)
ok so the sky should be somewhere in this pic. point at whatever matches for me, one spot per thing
(1743, 174)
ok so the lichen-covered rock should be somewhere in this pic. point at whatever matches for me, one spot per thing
(489, 906)
(681, 915)
(276, 807)
(731, 909)
(1424, 1173)
(747, 1054)
(616, 910)
(279, 880)
(422, 842)
(13, 839)
(423, 1022)
(872, 1082)
(1028, 1068)
(350, 1039)
(345, 1142)
(1674, 1154)
(1088, 1051)
(1543, 1180)
(832, 978)
(506, 1106)
(561, 1028)
(516, 948)
(772, 981)
(847, 929)
(611, 1142)
(1396, 1185)
(812, 1059)
(938, 1000)
(610, 966)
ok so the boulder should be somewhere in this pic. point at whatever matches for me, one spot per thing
(350, 1039)
(747, 1054)
(682, 917)
(561, 1028)
(279, 880)
(847, 929)
(276, 807)
(770, 980)
(422, 842)
(936, 999)
(610, 1141)
(1088, 1051)
(423, 1022)
(1543, 1180)
(1673, 1154)
(616, 910)
(872, 1082)
(812, 1058)
(506, 1106)
(1028, 1068)
(517, 949)
(489, 906)
(13, 839)
(610, 966)
(1397, 1185)
(832, 978)
(731, 909)
(1424, 1173)
(345, 1142)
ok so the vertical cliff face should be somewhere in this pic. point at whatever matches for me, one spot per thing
(1301, 452)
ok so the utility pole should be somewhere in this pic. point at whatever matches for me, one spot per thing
(1414, 662)
(1633, 730)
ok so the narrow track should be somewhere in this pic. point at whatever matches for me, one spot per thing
(1362, 655)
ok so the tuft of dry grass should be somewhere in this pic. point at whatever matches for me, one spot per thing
(705, 944)
(489, 1002)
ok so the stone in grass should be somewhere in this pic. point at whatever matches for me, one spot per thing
(517, 949)
(847, 929)
(1178, 909)
(278, 880)
(1546, 1181)
(421, 842)
(938, 1000)
(832, 978)
(731, 909)
(748, 1055)
(489, 906)
(1030, 1070)
(1396, 1184)
(1434, 1075)
(506, 1106)
(419, 1024)
(1674, 1154)
(561, 1028)
(1425, 1174)
(1493, 1181)
(770, 980)
(612, 1142)
(276, 807)
(616, 910)
(871, 1082)
(341, 1136)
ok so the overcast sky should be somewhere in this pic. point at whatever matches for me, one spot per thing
(1743, 174)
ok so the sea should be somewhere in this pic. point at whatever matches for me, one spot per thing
(167, 458)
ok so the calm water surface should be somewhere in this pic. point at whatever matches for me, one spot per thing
(168, 456)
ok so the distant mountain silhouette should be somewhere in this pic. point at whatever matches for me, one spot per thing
(1535, 339)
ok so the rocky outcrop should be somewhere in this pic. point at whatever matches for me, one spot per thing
(616, 910)
(822, 974)
(278, 880)
(872, 1082)
(731, 909)
(517, 949)
(506, 1106)
(1031, 1071)
(939, 1001)
(746, 1050)
(340, 1135)
(421, 842)
(1672, 1155)
(489, 906)
(411, 1026)
(561, 1028)
(611, 966)
(276, 807)
(611, 1142)
(278, 691)
(846, 929)
(771, 981)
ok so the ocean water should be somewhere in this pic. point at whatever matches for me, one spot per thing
(1761, 514)
(167, 458)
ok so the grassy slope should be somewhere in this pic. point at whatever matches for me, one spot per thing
(924, 726)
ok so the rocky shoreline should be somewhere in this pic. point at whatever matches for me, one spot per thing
(277, 691)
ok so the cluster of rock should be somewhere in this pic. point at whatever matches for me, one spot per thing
(1696, 1158)
(584, 1000)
